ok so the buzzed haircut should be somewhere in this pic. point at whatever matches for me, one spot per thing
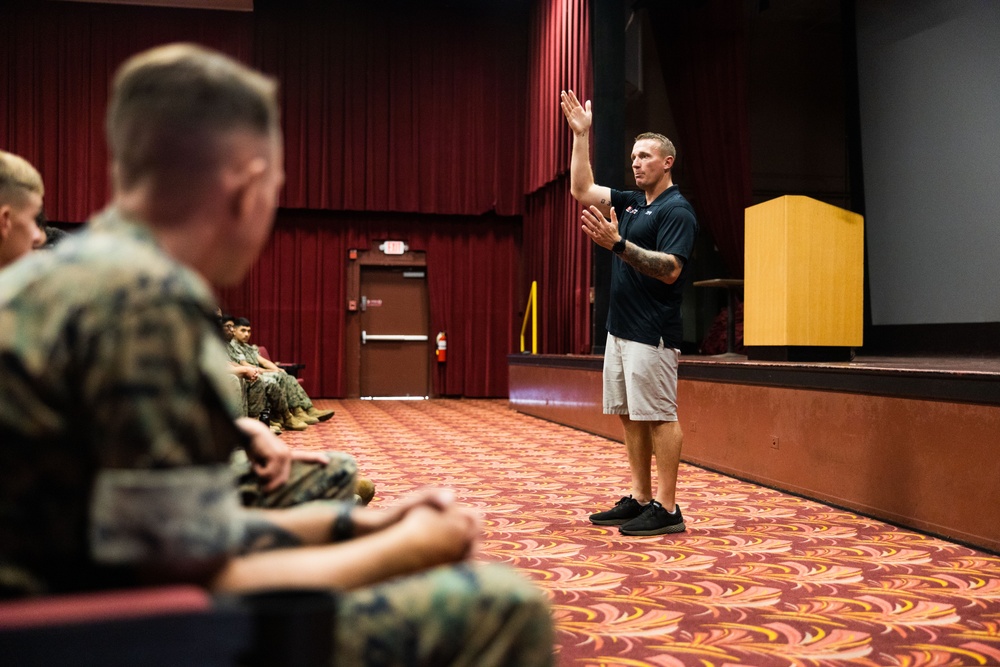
(18, 177)
(172, 107)
(666, 146)
(241, 322)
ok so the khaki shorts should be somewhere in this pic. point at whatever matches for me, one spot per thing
(640, 380)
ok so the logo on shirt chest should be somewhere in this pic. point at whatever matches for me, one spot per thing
(633, 209)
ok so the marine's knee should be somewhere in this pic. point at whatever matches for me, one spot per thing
(341, 463)
(502, 581)
(504, 587)
(521, 611)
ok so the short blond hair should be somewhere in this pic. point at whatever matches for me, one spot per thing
(666, 146)
(172, 108)
(17, 177)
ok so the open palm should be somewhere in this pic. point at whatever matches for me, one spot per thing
(578, 116)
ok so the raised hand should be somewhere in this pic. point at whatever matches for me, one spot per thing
(602, 231)
(579, 116)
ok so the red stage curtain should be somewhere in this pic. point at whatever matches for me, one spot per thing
(400, 107)
(558, 256)
(556, 252)
(560, 60)
(704, 54)
(386, 106)
(295, 295)
(56, 63)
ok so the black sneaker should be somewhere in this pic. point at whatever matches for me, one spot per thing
(654, 520)
(624, 510)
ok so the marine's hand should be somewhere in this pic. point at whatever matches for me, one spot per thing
(307, 456)
(368, 520)
(579, 117)
(270, 458)
(248, 373)
(602, 231)
(438, 536)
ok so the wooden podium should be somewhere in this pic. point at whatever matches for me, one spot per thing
(804, 281)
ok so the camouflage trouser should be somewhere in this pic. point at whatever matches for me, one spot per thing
(471, 615)
(294, 393)
(266, 393)
(240, 385)
(307, 481)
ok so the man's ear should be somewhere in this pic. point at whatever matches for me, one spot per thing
(246, 194)
(5, 221)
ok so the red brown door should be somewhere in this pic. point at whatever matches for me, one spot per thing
(395, 347)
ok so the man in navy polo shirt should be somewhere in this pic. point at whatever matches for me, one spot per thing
(651, 232)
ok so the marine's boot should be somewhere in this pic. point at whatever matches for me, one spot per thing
(291, 423)
(301, 415)
(321, 415)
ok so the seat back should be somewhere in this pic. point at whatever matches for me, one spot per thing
(170, 626)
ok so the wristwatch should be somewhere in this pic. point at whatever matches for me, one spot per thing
(619, 246)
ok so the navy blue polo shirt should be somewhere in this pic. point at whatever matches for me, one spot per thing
(644, 309)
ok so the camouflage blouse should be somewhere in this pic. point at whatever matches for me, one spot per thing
(112, 377)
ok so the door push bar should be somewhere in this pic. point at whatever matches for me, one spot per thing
(365, 337)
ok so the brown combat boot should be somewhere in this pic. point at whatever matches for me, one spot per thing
(290, 422)
(302, 416)
(321, 415)
(364, 490)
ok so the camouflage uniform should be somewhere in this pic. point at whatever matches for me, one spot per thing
(239, 386)
(294, 393)
(110, 359)
(475, 615)
(264, 394)
(116, 423)
(136, 336)
(306, 482)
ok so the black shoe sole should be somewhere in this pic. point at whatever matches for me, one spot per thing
(665, 530)
(609, 522)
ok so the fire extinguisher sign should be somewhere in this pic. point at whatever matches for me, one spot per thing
(441, 350)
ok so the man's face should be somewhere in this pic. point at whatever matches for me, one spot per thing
(649, 164)
(40, 222)
(243, 334)
(19, 232)
(228, 330)
(258, 205)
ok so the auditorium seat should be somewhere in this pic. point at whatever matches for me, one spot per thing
(169, 626)
(291, 369)
(179, 625)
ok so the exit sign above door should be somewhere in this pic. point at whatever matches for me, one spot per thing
(393, 247)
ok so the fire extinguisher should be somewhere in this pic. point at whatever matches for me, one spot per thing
(441, 352)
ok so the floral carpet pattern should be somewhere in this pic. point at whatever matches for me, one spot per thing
(760, 577)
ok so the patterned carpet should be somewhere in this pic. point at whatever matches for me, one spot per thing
(760, 578)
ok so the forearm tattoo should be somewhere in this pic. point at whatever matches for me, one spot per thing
(659, 265)
(262, 535)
